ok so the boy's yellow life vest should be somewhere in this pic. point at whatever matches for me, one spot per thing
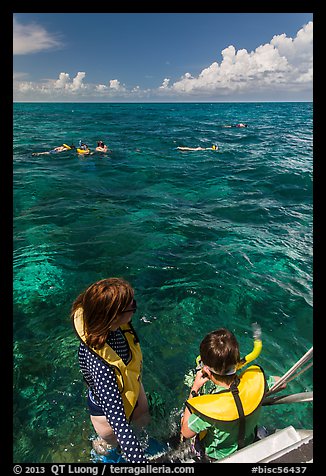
(128, 376)
(222, 406)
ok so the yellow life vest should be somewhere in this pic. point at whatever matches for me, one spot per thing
(128, 376)
(222, 406)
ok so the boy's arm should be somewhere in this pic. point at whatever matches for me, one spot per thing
(199, 381)
(185, 430)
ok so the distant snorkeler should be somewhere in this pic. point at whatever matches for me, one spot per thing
(241, 124)
(101, 147)
(213, 147)
(56, 150)
(82, 145)
(83, 149)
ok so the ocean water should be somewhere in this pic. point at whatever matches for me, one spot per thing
(207, 239)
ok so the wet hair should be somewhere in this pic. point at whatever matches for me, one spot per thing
(219, 350)
(101, 302)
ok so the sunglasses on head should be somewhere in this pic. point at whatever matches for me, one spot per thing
(133, 309)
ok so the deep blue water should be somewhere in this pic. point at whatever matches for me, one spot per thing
(207, 239)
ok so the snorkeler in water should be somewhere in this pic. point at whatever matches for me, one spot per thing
(56, 150)
(241, 124)
(213, 147)
(101, 147)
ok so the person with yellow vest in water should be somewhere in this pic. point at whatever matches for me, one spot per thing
(223, 407)
(110, 359)
(56, 150)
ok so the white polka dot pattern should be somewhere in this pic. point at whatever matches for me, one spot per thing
(102, 380)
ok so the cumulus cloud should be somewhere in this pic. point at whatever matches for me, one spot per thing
(297, 49)
(75, 84)
(101, 87)
(63, 81)
(283, 61)
(65, 86)
(116, 85)
(165, 83)
(282, 66)
(62, 87)
(32, 38)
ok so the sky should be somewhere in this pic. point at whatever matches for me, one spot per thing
(162, 57)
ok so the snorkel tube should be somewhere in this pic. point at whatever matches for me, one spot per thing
(258, 345)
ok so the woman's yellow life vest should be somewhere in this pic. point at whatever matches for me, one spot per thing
(222, 406)
(128, 375)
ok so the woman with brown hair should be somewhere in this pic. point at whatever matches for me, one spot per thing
(110, 359)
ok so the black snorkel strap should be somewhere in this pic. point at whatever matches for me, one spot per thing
(242, 420)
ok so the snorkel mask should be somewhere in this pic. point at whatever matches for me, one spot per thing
(258, 345)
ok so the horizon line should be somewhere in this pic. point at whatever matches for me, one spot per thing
(163, 102)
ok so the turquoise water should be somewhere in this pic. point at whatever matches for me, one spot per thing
(207, 239)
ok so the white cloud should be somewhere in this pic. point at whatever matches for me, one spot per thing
(281, 63)
(165, 83)
(77, 82)
(31, 38)
(24, 86)
(19, 76)
(64, 81)
(101, 87)
(282, 67)
(116, 85)
(296, 50)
